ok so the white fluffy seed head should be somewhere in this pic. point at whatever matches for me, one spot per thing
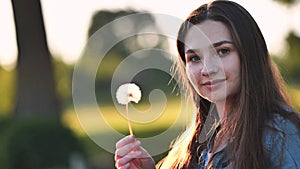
(128, 92)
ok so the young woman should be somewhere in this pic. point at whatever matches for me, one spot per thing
(236, 78)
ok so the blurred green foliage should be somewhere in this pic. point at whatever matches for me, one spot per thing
(37, 142)
(294, 91)
(288, 64)
(7, 90)
(63, 82)
(287, 2)
(149, 79)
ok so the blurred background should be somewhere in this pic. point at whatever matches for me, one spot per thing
(40, 43)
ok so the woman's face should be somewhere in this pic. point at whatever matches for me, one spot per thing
(212, 61)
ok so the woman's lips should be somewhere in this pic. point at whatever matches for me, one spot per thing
(213, 83)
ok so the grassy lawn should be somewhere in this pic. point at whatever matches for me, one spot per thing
(147, 117)
(151, 120)
(294, 92)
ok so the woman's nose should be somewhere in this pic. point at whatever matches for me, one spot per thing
(209, 66)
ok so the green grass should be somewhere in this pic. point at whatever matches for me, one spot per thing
(172, 116)
(151, 117)
(294, 92)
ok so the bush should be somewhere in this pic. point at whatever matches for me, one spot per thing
(37, 143)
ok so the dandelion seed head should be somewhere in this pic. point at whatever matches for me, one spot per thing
(128, 92)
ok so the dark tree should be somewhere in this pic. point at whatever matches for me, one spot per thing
(287, 2)
(36, 93)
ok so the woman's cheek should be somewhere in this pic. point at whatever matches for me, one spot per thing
(192, 76)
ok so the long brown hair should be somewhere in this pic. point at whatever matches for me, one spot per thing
(262, 92)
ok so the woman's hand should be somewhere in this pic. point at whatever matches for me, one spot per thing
(131, 155)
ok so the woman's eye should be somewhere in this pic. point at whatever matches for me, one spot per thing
(223, 52)
(194, 58)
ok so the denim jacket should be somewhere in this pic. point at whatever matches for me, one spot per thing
(281, 141)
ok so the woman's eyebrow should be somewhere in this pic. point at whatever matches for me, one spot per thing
(214, 45)
(190, 51)
(221, 43)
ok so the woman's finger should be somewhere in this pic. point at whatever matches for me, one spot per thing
(129, 157)
(128, 148)
(126, 166)
(125, 140)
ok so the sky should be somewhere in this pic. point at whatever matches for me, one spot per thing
(67, 22)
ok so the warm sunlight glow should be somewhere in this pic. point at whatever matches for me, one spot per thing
(67, 22)
(8, 46)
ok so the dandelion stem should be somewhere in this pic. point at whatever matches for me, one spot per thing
(131, 133)
(128, 120)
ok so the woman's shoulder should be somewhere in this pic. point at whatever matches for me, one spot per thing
(281, 141)
(280, 127)
(280, 124)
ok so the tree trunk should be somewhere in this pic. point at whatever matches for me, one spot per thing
(36, 93)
